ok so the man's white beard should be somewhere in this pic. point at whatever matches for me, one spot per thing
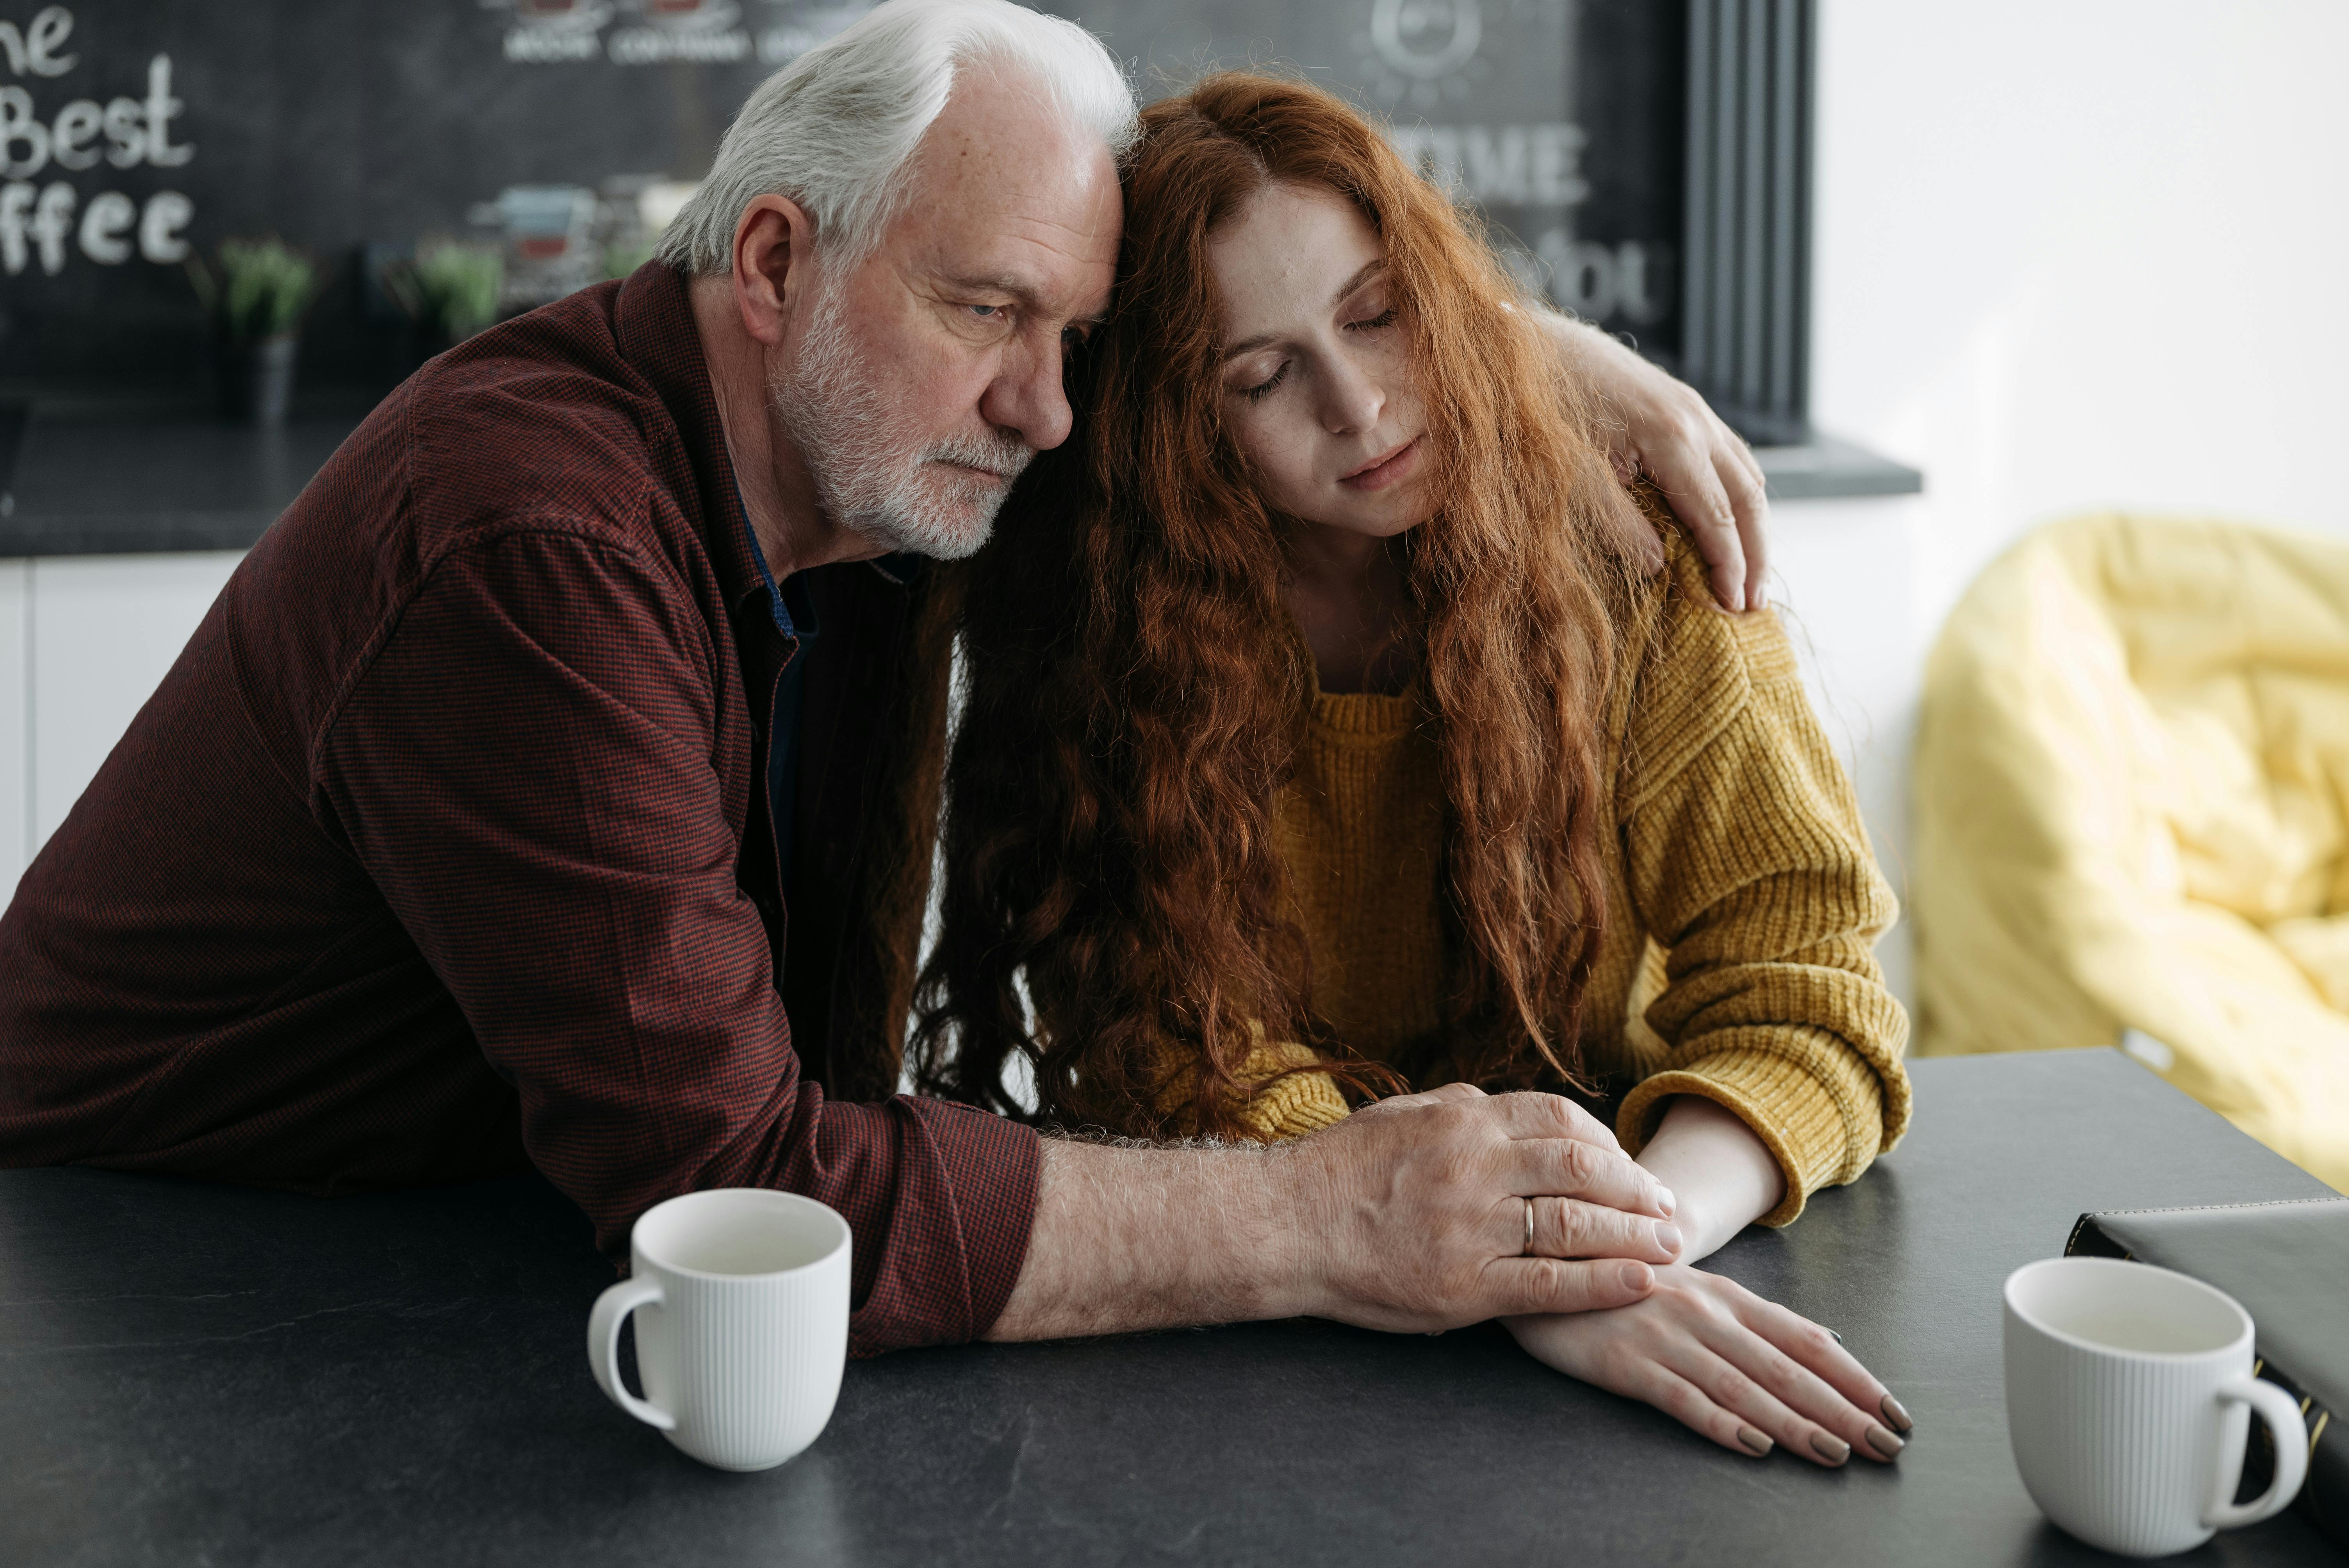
(876, 475)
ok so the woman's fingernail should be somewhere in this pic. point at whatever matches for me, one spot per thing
(1755, 1443)
(1665, 1201)
(1884, 1442)
(1830, 1447)
(1637, 1279)
(1895, 1413)
(1668, 1238)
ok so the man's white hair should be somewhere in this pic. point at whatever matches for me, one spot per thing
(833, 129)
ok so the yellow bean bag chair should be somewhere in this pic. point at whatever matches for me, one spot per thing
(2132, 794)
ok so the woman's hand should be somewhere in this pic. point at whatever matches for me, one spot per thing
(1741, 1370)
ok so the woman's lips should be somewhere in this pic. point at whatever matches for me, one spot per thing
(1392, 469)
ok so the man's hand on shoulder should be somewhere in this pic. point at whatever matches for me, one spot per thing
(1657, 425)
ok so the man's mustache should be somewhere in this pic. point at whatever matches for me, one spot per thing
(1007, 457)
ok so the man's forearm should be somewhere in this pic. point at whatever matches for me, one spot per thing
(1409, 1216)
(1133, 1239)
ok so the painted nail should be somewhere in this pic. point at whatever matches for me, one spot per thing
(1830, 1447)
(1668, 1238)
(1754, 1441)
(1896, 1414)
(1884, 1442)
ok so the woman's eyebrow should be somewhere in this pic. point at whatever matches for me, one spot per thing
(1363, 274)
(1369, 269)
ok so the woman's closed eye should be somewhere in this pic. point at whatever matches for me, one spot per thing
(1385, 318)
(1262, 389)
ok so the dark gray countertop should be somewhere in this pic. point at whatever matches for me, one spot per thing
(201, 1374)
(107, 487)
(99, 486)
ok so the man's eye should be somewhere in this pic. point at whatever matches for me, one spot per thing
(1263, 389)
(985, 312)
(1385, 318)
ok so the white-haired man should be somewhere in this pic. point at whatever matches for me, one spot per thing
(512, 805)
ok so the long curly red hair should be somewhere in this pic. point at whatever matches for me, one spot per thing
(1134, 688)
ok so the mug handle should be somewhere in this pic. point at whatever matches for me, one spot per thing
(2277, 1409)
(612, 1309)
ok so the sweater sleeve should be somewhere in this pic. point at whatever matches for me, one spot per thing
(1749, 865)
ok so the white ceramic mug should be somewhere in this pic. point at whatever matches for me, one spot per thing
(741, 1303)
(2129, 1397)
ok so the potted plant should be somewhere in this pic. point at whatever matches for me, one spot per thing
(256, 294)
(449, 291)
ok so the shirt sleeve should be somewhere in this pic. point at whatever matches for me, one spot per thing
(528, 771)
(1750, 866)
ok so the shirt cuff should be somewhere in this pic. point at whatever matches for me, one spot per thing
(1818, 1136)
(958, 1229)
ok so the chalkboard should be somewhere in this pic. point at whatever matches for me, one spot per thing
(135, 129)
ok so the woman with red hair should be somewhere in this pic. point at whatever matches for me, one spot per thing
(1342, 724)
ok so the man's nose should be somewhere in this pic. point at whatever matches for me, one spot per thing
(1026, 396)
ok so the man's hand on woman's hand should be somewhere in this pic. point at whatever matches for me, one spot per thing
(1743, 1371)
(1410, 1214)
(1419, 1208)
(1657, 425)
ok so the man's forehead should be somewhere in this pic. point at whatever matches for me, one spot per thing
(1004, 189)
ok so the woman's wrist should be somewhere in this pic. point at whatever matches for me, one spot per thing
(1723, 1176)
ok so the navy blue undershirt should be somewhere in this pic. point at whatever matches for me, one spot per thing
(795, 619)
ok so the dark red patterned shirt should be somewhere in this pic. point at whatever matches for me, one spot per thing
(442, 849)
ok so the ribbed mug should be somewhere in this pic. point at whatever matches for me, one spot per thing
(741, 1303)
(2129, 1398)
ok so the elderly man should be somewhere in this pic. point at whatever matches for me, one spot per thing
(512, 806)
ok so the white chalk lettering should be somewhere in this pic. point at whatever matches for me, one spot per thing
(104, 222)
(167, 214)
(549, 45)
(136, 133)
(1630, 281)
(35, 50)
(15, 202)
(36, 222)
(160, 107)
(1512, 165)
(17, 125)
(126, 132)
(70, 136)
(52, 226)
(657, 46)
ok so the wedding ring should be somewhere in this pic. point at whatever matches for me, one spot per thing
(1527, 1250)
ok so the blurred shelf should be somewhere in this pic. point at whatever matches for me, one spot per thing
(1825, 468)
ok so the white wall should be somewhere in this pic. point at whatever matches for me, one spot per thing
(2067, 254)
(83, 642)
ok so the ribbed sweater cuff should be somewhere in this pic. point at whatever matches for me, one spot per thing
(1790, 1110)
(1297, 1104)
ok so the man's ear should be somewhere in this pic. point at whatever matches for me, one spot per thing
(773, 257)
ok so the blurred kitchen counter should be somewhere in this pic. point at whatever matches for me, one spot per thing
(125, 485)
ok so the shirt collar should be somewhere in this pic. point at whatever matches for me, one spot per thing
(654, 322)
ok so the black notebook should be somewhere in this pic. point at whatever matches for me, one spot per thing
(2288, 1264)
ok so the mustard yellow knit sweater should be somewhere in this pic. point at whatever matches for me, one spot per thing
(1742, 903)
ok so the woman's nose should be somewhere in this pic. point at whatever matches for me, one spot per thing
(1353, 400)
